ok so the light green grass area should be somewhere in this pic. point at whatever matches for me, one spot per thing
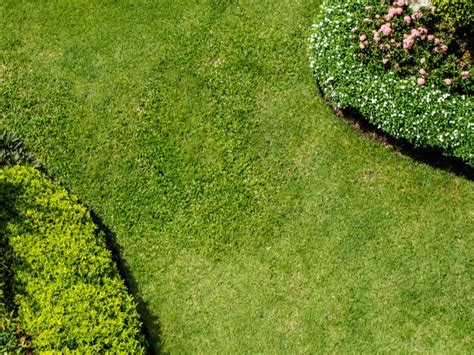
(250, 217)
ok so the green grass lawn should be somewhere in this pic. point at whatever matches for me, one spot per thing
(251, 219)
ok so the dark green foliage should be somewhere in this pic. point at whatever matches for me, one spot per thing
(458, 13)
(8, 340)
(68, 294)
(12, 151)
(9, 343)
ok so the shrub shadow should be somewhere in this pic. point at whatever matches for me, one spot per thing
(8, 193)
(431, 156)
(148, 320)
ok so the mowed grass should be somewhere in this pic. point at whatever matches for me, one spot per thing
(250, 218)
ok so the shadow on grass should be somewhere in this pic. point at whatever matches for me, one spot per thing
(13, 339)
(8, 193)
(149, 321)
(431, 156)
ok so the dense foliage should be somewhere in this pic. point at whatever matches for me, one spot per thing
(67, 292)
(398, 71)
(8, 339)
(12, 151)
(392, 37)
(456, 12)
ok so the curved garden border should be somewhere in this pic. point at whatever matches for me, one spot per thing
(428, 116)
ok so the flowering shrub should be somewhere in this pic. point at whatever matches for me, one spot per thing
(425, 98)
(410, 44)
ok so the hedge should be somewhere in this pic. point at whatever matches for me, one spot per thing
(456, 12)
(429, 116)
(68, 294)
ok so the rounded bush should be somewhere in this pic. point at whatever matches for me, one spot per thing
(422, 109)
(68, 294)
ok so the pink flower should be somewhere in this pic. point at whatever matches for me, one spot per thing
(393, 40)
(361, 45)
(415, 32)
(386, 29)
(407, 19)
(400, 3)
(366, 20)
(397, 65)
(376, 37)
(377, 16)
(430, 37)
(408, 42)
(362, 38)
(417, 16)
(422, 71)
(399, 10)
(420, 81)
(460, 63)
(385, 61)
(393, 11)
(437, 41)
(354, 30)
(448, 82)
(444, 48)
(464, 74)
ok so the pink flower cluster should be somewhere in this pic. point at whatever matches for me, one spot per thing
(363, 41)
(386, 29)
(392, 12)
(421, 81)
(386, 38)
(409, 39)
(400, 3)
(396, 9)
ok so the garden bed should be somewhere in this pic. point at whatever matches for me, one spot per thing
(372, 58)
(64, 291)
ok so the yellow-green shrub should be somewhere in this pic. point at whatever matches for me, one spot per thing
(456, 12)
(68, 293)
